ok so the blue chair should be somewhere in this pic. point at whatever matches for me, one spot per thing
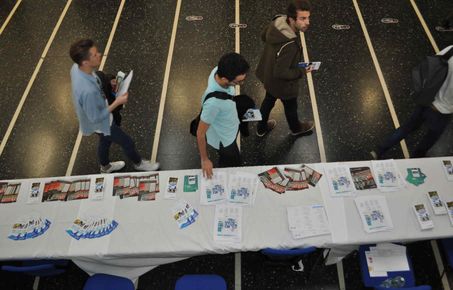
(447, 245)
(108, 282)
(425, 287)
(41, 268)
(376, 281)
(201, 282)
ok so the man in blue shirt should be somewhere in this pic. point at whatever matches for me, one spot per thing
(94, 111)
(219, 122)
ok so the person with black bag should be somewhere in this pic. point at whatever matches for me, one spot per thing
(433, 93)
(219, 121)
(98, 110)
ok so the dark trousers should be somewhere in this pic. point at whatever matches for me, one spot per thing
(290, 106)
(119, 137)
(229, 156)
(434, 120)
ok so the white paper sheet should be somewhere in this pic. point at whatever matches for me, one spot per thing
(242, 188)
(228, 223)
(214, 190)
(374, 213)
(307, 221)
(124, 86)
(387, 174)
(339, 179)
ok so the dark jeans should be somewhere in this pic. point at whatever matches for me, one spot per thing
(119, 137)
(290, 106)
(434, 120)
(229, 156)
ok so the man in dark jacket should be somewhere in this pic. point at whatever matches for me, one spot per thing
(278, 67)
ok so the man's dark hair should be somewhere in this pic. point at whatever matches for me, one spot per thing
(80, 50)
(297, 5)
(231, 65)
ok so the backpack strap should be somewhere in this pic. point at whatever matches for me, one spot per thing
(448, 54)
(283, 46)
(218, 95)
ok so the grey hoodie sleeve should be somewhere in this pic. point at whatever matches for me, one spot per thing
(284, 68)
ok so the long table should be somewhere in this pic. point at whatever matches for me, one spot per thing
(147, 235)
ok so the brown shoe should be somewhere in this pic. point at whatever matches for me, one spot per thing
(305, 127)
(270, 126)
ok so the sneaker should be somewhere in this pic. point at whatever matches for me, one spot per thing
(374, 155)
(270, 126)
(146, 165)
(305, 127)
(112, 167)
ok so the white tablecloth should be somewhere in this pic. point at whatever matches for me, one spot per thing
(147, 235)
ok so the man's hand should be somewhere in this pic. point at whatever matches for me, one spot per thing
(122, 99)
(206, 167)
(309, 69)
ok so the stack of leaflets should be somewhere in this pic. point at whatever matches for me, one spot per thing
(29, 228)
(9, 192)
(385, 258)
(307, 221)
(184, 214)
(448, 168)
(436, 203)
(242, 188)
(290, 179)
(339, 179)
(362, 177)
(214, 190)
(423, 217)
(66, 190)
(374, 213)
(252, 115)
(190, 183)
(91, 228)
(388, 176)
(144, 187)
(449, 206)
(228, 223)
(172, 188)
(415, 176)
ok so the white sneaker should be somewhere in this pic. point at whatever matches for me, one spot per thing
(113, 166)
(146, 165)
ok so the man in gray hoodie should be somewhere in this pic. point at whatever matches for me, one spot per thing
(278, 67)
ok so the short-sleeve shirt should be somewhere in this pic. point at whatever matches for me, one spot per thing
(221, 115)
(444, 98)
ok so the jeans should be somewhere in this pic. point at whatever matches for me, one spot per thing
(229, 156)
(435, 121)
(290, 107)
(119, 137)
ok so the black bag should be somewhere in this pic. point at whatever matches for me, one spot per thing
(196, 121)
(107, 89)
(428, 77)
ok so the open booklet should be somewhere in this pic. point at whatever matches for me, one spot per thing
(123, 85)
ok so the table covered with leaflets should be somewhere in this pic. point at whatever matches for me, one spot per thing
(127, 223)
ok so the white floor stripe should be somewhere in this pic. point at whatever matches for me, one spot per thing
(33, 77)
(36, 283)
(237, 271)
(314, 104)
(75, 149)
(237, 49)
(10, 16)
(340, 271)
(396, 123)
(440, 265)
(163, 95)
(425, 27)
